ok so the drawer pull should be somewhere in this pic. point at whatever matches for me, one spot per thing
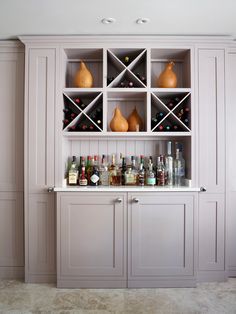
(118, 200)
(136, 200)
(202, 189)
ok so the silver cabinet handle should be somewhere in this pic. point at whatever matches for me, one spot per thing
(118, 200)
(135, 200)
(202, 189)
(50, 190)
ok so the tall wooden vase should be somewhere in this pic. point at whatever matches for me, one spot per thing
(167, 78)
(118, 122)
(83, 77)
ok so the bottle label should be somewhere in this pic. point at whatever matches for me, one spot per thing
(151, 181)
(130, 179)
(94, 178)
(73, 178)
(83, 182)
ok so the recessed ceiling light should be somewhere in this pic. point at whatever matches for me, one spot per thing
(142, 20)
(108, 20)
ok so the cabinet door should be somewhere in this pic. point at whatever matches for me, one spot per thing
(231, 170)
(41, 91)
(91, 238)
(211, 232)
(160, 236)
(11, 120)
(211, 120)
(40, 232)
(11, 229)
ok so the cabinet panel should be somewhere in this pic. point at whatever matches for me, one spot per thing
(11, 229)
(41, 234)
(91, 237)
(230, 162)
(211, 120)
(211, 232)
(41, 118)
(11, 120)
(160, 235)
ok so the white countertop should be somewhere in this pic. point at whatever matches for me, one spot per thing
(127, 189)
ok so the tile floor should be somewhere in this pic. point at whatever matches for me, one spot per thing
(212, 298)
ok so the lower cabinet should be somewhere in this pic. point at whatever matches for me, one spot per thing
(95, 231)
(91, 247)
(161, 240)
(40, 264)
(11, 235)
(211, 230)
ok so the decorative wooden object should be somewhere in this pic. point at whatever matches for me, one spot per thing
(83, 77)
(135, 122)
(118, 122)
(167, 78)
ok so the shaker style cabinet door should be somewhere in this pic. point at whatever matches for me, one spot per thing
(91, 240)
(211, 232)
(160, 238)
(211, 120)
(41, 101)
(230, 163)
(39, 165)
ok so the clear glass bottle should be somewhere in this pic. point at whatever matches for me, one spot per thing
(150, 174)
(169, 164)
(94, 178)
(103, 172)
(161, 171)
(73, 172)
(141, 173)
(131, 173)
(179, 167)
(114, 173)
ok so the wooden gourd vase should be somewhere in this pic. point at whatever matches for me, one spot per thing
(118, 122)
(83, 77)
(167, 78)
(135, 122)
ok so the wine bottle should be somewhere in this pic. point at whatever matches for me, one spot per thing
(175, 127)
(160, 127)
(122, 84)
(160, 115)
(72, 128)
(126, 60)
(130, 84)
(154, 122)
(168, 128)
(170, 104)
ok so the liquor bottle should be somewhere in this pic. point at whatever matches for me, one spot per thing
(123, 170)
(114, 173)
(131, 173)
(73, 172)
(80, 103)
(150, 174)
(141, 173)
(103, 172)
(126, 60)
(82, 177)
(81, 162)
(94, 177)
(161, 171)
(169, 164)
(88, 168)
(154, 122)
(160, 115)
(179, 167)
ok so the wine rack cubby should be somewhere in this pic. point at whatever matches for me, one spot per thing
(127, 83)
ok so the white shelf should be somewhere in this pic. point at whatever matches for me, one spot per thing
(124, 135)
(171, 90)
(157, 189)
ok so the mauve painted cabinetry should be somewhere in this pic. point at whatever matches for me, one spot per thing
(99, 234)
(39, 164)
(211, 126)
(11, 160)
(230, 165)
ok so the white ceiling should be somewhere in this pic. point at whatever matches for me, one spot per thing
(68, 17)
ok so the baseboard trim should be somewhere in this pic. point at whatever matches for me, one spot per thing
(163, 283)
(91, 284)
(209, 276)
(41, 278)
(231, 273)
(14, 272)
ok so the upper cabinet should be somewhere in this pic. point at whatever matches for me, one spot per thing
(41, 115)
(11, 119)
(211, 126)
